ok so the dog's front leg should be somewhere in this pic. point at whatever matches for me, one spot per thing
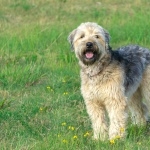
(97, 116)
(117, 114)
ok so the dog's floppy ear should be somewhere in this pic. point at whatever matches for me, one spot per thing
(107, 36)
(71, 38)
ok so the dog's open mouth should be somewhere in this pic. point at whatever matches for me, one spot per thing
(89, 54)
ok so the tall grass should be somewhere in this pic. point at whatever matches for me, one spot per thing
(40, 102)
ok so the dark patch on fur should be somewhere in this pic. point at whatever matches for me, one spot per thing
(134, 60)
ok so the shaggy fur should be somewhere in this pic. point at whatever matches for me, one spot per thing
(111, 81)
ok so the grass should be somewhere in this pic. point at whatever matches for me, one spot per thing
(40, 102)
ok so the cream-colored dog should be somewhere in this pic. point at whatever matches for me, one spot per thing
(111, 81)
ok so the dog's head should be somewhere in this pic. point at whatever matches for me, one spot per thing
(90, 42)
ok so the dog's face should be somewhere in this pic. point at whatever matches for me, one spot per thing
(90, 42)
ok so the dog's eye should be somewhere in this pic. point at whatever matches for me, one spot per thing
(97, 36)
(82, 36)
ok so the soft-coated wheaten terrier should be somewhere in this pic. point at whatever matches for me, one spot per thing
(111, 81)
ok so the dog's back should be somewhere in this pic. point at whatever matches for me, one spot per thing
(134, 59)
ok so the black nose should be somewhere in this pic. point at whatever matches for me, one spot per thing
(89, 44)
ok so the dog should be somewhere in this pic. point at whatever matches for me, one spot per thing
(112, 81)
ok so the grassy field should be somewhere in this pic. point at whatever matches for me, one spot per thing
(41, 107)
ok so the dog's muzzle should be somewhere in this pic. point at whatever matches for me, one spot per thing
(90, 51)
(90, 54)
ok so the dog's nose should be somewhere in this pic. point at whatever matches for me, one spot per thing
(89, 44)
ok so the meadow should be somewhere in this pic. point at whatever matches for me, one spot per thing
(41, 107)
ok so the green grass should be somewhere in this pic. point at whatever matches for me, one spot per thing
(39, 75)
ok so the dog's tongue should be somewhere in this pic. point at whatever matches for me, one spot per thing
(89, 55)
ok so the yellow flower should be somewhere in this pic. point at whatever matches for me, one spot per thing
(75, 137)
(65, 141)
(65, 93)
(64, 81)
(63, 124)
(41, 109)
(48, 87)
(122, 130)
(139, 143)
(86, 134)
(112, 141)
(59, 135)
(117, 137)
(71, 128)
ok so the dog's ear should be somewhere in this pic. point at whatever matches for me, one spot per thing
(107, 36)
(71, 38)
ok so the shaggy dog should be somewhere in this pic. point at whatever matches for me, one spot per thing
(111, 81)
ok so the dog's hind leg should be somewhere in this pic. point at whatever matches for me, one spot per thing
(138, 109)
(145, 89)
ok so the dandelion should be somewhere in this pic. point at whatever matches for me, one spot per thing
(71, 128)
(58, 135)
(64, 81)
(48, 87)
(86, 134)
(65, 141)
(122, 130)
(139, 143)
(63, 124)
(75, 137)
(41, 109)
(112, 141)
(65, 93)
(117, 137)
